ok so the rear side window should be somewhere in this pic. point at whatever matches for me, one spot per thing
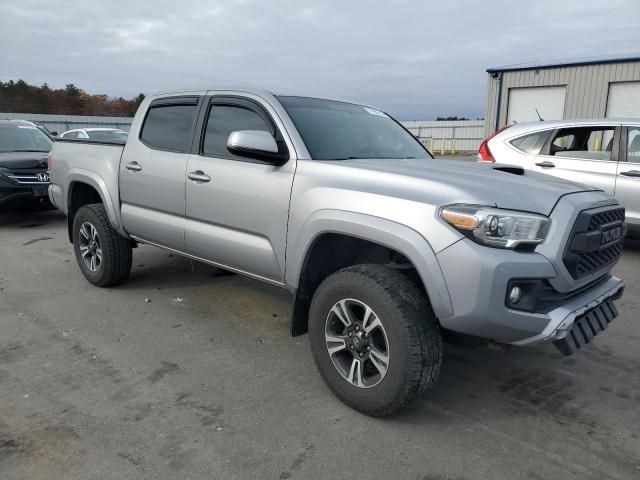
(531, 143)
(588, 143)
(633, 145)
(224, 119)
(169, 127)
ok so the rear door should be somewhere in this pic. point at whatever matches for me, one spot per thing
(628, 181)
(583, 154)
(152, 172)
(237, 206)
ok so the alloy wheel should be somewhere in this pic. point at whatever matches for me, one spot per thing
(357, 343)
(90, 247)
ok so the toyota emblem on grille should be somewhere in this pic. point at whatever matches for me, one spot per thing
(42, 177)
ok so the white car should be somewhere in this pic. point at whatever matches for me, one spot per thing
(110, 135)
(604, 153)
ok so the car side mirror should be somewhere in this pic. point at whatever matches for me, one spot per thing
(254, 143)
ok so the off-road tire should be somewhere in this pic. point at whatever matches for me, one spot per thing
(116, 250)
(413, 331)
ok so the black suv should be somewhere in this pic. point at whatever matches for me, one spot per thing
(24, 171)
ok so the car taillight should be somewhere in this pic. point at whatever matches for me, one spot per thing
(484, 151)
(50, 161)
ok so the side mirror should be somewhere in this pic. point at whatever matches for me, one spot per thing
(54, 134)
(254, 143)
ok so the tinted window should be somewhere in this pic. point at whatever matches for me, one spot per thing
(108, 136)
(23, 138)
(633, 145)
(69, 135)
(531, 143)
(224, 119)
(592, 143)
(340, 131)
(169, 127)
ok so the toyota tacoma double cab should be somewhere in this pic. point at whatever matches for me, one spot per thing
(383, 248)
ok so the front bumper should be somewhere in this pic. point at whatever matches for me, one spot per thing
(477, 278)
(11, 192)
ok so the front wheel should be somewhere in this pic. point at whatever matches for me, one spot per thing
(374, 338)
(104, 256)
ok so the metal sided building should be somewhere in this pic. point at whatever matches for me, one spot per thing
(555, 91)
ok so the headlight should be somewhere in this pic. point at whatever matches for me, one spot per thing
(495, 227)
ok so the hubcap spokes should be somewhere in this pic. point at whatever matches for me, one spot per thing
(357, 343)
(90, 247)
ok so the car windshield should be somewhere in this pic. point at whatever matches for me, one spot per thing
(340, 131)
(116, 136)
(23, 138)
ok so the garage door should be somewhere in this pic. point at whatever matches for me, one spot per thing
(624, 99)
(523, 102)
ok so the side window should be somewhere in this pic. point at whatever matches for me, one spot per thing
(531, 143)
(633, 145)
(169, 127)
(70, 135)
(591, 143)
(224, 119)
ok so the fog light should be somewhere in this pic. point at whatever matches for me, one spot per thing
(515, 295)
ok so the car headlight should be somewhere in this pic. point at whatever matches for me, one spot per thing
(496, 227)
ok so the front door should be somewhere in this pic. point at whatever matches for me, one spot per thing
(237, 206)
(586, 155)
(628, 182)
(152, 172)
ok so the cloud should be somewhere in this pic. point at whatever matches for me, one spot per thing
(414, 59)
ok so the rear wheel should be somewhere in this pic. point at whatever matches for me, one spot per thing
(374, 338)
(104, 256)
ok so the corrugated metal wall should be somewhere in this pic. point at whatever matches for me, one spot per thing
(587, 88)
(468, 133)
(62, 123)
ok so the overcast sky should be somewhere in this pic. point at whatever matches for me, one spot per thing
(414, 59)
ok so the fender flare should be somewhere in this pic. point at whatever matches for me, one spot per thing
(77, 175)
(378, 230)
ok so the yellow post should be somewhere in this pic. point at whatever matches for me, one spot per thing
(431, 144)
(453, 146)
(598, 143)
(442, 141)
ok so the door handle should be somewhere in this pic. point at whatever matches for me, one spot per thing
(199, 176)
(546, 164)
(631, 173)
(133, 166)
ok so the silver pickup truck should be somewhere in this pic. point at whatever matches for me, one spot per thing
(383, 248)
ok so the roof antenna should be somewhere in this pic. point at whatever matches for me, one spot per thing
(539, 117)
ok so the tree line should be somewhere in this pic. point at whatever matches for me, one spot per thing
(20, 97)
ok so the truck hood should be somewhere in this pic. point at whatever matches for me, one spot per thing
(454, 181)
(20, 160)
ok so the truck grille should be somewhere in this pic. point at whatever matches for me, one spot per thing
(595, 242)
(29, 176)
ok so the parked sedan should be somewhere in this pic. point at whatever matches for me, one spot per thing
(109, 135)
(24, 173)
(604, 153)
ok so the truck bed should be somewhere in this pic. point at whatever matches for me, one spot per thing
(84, 159)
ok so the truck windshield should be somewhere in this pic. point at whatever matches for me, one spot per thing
(23, 138)
(341, 131)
